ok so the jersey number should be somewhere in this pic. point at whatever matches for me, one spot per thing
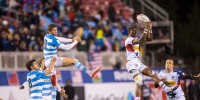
(29, 82)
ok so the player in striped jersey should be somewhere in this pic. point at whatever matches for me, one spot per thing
(48, 90)
(35, 80)
(53, 88)
(52, 42)
(172, 77)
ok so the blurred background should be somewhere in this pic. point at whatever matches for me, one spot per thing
(23, 24)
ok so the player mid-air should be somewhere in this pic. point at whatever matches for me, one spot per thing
(133, 64)
(52, 42)
(172, 77)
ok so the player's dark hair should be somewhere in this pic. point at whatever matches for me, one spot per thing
(29, 64)
(171, 59)
(40, 60)
(131, 28)
(51, 26)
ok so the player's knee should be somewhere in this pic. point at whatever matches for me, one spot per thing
(138, 79)
(148, 72)
(75, 61)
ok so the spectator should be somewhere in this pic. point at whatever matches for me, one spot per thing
(111, 12)
(69, 90)
(31, 17)
(117, 66)
(193, 90)
(26, 19)
(35, 19)
(146, 92)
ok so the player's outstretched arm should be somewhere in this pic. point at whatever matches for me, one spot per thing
(67, 46)
(192, 77)
(64, 40)
(150, 34)
(144, 35)
(25, 84)
(49, 70)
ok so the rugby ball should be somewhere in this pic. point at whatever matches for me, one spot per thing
(141, 18)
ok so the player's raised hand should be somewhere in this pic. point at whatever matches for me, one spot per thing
(77, 38)
(149, 25)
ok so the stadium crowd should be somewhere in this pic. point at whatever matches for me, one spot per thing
(24, 23)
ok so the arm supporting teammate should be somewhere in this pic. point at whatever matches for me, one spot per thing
(49, 70)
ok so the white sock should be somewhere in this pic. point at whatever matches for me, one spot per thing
(162, 84)
(137, 98)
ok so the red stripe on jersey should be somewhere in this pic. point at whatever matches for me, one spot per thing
(179, 82)
(129, 47)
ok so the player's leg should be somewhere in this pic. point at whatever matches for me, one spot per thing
(132, 69)
(66, 61)
(147, 71)
(138, 91)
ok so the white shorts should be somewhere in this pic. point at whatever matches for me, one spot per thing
(59, 61)
(135, 67)
(46, 97)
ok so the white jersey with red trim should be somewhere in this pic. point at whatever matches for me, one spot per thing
(132, 51)
(173, 79)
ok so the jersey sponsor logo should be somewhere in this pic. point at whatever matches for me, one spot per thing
(172, 77)
(122, 76)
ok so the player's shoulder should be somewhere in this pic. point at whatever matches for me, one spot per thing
(129, 39)
(49, 35)
(162, 72)
(29, 73)
(178, 71)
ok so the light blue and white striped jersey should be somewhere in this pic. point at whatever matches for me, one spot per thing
(47, 89)
(50, 46)
(35, 84)
(47, 86)
(54, 92)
